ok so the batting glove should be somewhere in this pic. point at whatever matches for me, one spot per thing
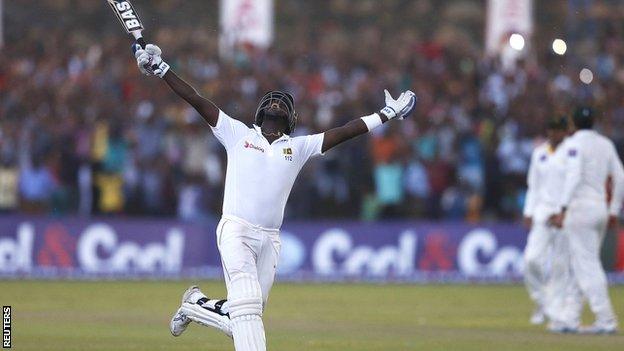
(401, 107)
(150, 61)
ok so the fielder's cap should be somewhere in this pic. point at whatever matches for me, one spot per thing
(583, 117)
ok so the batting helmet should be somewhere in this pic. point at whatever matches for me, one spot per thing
(281, 100)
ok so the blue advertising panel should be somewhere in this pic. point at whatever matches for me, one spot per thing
(407, 251)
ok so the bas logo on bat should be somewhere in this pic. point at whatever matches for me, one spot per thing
(127, 15)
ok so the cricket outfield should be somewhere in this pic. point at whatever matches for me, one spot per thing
(342, 317)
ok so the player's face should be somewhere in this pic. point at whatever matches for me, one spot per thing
(276, 114)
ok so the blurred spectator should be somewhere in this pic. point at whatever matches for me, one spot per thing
(388, 173)
(36, 186)
(81, 131)
(9, 176)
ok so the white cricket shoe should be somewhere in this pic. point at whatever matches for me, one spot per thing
(561, 328)
(180, 321)
(538, 317)
(600, 328)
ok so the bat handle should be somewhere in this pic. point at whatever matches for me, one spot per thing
(139, 42)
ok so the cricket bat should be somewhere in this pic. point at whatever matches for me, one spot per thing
(130, 21)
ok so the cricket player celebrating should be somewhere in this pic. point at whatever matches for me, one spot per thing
(545, 243)
(263, 163)
(584, 214)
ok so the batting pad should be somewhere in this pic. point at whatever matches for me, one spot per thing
(248, 333)
(207, 318)
(244, 296)
(245, 308)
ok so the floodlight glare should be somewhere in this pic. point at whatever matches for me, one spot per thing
(559, 46)
(516, 41)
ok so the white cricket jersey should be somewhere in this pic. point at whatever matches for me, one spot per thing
(544, 180)
(260, 175)
(590, 159)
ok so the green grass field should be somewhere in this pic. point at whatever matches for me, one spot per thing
(134, 316)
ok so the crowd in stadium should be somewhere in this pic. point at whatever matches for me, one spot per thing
(81, 131)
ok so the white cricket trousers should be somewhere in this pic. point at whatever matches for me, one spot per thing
(546, 272)
(245, 248)
(585, 226)
(249, 255)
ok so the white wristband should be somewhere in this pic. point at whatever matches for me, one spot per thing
(162, 69)
(372, 121)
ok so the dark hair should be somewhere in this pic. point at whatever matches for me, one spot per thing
(583, 117)
(557, 123)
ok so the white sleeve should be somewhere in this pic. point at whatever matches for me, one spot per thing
(229, 130)
(573, 167)
(310, 146)
(532, 180)
(616, 170)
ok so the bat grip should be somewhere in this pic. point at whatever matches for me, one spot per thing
(140, 41)
(139, 44)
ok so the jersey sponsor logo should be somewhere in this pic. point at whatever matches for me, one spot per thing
(249, 145)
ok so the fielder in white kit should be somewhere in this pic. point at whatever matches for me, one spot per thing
(584, 214)
(545, 244)
(263, 163)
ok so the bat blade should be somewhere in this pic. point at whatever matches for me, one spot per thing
(129, 19)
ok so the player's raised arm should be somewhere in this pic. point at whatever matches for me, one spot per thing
(394, 109)
(150, 62)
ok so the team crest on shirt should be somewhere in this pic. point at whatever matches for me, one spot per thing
(572, 152)
(288, 153)
(542, 158)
